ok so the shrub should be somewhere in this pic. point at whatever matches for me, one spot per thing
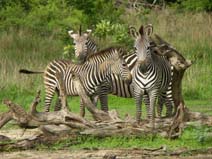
(118, 33)
(194, 5)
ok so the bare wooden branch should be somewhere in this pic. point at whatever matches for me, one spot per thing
(62, 95)
(178, 122)
(36, 119)
(96, 113)
(5, 118)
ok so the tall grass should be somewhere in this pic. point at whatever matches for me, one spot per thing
(190, 33)
(24, 49)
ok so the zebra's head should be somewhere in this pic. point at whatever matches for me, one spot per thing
(142, 46)
(117, 65)
(121, 69)
(142, 42)
(80, 43)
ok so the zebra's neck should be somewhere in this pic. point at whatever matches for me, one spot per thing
(91, 47)
(101, 56)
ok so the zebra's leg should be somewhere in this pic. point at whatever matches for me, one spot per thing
(169, 107)
(58, 105)
(153, 96)
(82, 105)
(147, 103)
(104, 102)
(160, 103)
(95, 100)
(169, 103)
(138, 94)
(82, 108)
(49, 93)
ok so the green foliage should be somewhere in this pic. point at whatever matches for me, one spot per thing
(97, 10)
(103, 29)
(117, 32)
(11, 16)
(195, 5)
(68, 51)
(55, 17)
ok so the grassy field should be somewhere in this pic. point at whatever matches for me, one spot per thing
(190, 33)
(192, 138)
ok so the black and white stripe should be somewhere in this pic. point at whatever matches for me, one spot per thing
(97, 71)
(151, 75)
(51, 81)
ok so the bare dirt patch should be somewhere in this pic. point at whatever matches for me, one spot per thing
(93, 154)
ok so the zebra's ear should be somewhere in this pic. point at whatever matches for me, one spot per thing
(71, 34)
(132, 31)
(88, 32)
(149, 30)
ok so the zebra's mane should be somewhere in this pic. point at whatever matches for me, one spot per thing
(104, 53)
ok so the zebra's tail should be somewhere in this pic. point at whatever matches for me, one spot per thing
(25, 71)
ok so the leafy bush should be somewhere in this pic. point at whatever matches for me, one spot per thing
(56, 17)
(11, 17)
(117, 32)
(68, 51)
(194, 5)
(97, 10)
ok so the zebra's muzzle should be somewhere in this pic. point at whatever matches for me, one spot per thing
(143, 65)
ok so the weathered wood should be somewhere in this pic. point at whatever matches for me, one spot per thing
(178, 122)
(167, 127)
(163, 48)
(97, 114)
(29, 143)
(35, 119)
(5, 118)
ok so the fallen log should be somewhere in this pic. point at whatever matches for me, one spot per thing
(29, 143)
(53, 122)
(97, 114)
(55, 129)
(65, 123)
(5, 118)
(35, 119)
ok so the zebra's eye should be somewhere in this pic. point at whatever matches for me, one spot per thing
(86, 42)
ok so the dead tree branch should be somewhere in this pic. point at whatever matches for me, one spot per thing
(97, 114)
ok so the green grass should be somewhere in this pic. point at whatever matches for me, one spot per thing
(192, 138)
(190, 33)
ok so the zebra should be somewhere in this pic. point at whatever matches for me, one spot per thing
(83, 45)
(151, 74)
(97, 70)
(120, 88)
